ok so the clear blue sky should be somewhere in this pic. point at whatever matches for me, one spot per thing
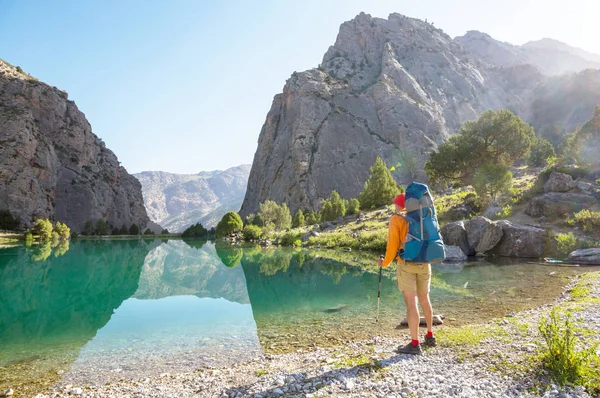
(185, 85)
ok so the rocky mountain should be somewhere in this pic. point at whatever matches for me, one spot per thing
(395, 88)
(52, 165)
(176, 201)
(551, 57)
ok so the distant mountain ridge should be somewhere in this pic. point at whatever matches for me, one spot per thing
(551, 57)
(176, 201)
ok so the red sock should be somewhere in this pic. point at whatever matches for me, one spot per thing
(429, 334)
(415, 343)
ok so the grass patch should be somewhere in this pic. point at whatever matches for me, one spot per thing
(562, 357)
(470, 335)
(360, 360)
(583, 287)
(260, 372)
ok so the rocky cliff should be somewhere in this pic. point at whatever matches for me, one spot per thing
(52, 165)
(176, 201)
(395, 88)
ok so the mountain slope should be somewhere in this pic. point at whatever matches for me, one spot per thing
(52, 165)
(397, 88)
(551, 57)
(394, 87)
(176, 201)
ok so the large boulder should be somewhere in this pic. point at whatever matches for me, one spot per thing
(586, 256)
(455, 234)
(454, 254)
(520, 241)
(483, 234)
(559, 182)
(555, 204)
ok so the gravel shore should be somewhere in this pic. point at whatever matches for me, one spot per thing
(493, 360)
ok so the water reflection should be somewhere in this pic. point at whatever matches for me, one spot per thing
(133, 307)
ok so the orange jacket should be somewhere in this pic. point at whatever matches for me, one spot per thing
(397, 232)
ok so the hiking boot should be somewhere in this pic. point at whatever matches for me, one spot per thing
(410, 349)
(430, 341)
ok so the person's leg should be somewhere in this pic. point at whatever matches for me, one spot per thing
(427, 310)
(408, 285)
(410, 298)
(423, 286)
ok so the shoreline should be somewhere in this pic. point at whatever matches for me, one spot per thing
(498, 358)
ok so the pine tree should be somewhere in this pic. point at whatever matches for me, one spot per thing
(353, 206)
(134, 229)
(298, 219)
(380, 189)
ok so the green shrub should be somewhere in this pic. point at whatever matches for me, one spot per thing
(252, 232)
(380, 189)
(373, 240)
(493, 179)
(195, 231)
(565, 244)
(566, 364)
(588, 220)
(102, 227)
(496, 138)
(312, 218)
(275, 217)
(134, 229)
(8, 222)
(540, 153)
(43, 229)
(334, 239)
(148, 231)
(333, 208)
(353, 207)
(230, 223)
(298, 219)
(290, 238)
(63, 230)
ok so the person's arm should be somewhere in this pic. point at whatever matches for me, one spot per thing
(393, 242)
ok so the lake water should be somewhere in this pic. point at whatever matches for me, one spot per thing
(95, 311)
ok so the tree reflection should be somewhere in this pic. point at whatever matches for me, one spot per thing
(230, 255)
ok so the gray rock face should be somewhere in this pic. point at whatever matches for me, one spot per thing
(395, 88)
(559, 182)
(392, 87)
(455, 234)
(520, 241)
(586, 256)
(53, 166)
(483, 234)
(556, 204)
(454, 254)
(176, 201)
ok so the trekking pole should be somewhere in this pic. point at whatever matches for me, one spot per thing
(379, 292)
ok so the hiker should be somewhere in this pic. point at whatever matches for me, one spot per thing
(414, 277)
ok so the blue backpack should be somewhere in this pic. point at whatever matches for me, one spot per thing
(424, 243)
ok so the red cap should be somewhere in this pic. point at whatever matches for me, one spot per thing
(400, 200)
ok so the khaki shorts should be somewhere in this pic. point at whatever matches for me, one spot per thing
(414, 277)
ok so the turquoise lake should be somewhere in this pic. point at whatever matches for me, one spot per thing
(94, 311)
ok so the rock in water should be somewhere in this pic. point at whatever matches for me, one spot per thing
(437, 320)
(483, 234)
(520, 241)
(455, 234)
(53, 166)
(585, 256)
(454, 254)
(337, 308)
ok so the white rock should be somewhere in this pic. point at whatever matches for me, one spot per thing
(9, 392)
(76, 391)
